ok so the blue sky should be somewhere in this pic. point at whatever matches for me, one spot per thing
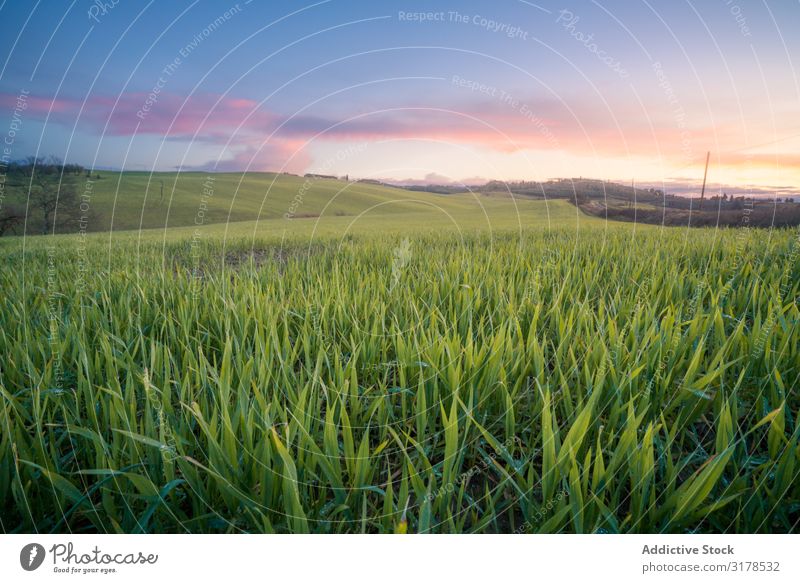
(462, 91)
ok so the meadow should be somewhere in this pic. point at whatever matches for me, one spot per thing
(456, 365)
(133, 201)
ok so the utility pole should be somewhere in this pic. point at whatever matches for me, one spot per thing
(705, 174)
(633, 193)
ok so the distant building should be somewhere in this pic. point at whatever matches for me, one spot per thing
(321, 176)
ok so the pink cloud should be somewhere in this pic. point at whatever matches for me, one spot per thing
(163, 114)
(259, 139)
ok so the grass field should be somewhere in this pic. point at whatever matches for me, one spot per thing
(432, 364)
(141, 200)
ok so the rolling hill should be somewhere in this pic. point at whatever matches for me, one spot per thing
(269, 203)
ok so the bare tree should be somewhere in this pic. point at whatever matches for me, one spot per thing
(53, 192)
(10, 217)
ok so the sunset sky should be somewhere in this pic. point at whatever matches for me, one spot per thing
(467, 92)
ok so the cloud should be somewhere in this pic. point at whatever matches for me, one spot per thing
(438, 179)
(255, 138)
(277, 155)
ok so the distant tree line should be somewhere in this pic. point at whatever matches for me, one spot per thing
(50, 189)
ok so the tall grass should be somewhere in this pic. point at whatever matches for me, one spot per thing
(549, 382)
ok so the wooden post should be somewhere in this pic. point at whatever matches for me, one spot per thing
(633, 193)
(705, 174)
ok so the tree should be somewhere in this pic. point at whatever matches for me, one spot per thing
(53, 192)
(10, 217)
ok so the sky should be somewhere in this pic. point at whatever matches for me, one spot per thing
(412, 92)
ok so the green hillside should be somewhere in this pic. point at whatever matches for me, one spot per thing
(268, 203)
(141, 200)
(133, 200)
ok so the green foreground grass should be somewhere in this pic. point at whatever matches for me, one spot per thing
(522, 369)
